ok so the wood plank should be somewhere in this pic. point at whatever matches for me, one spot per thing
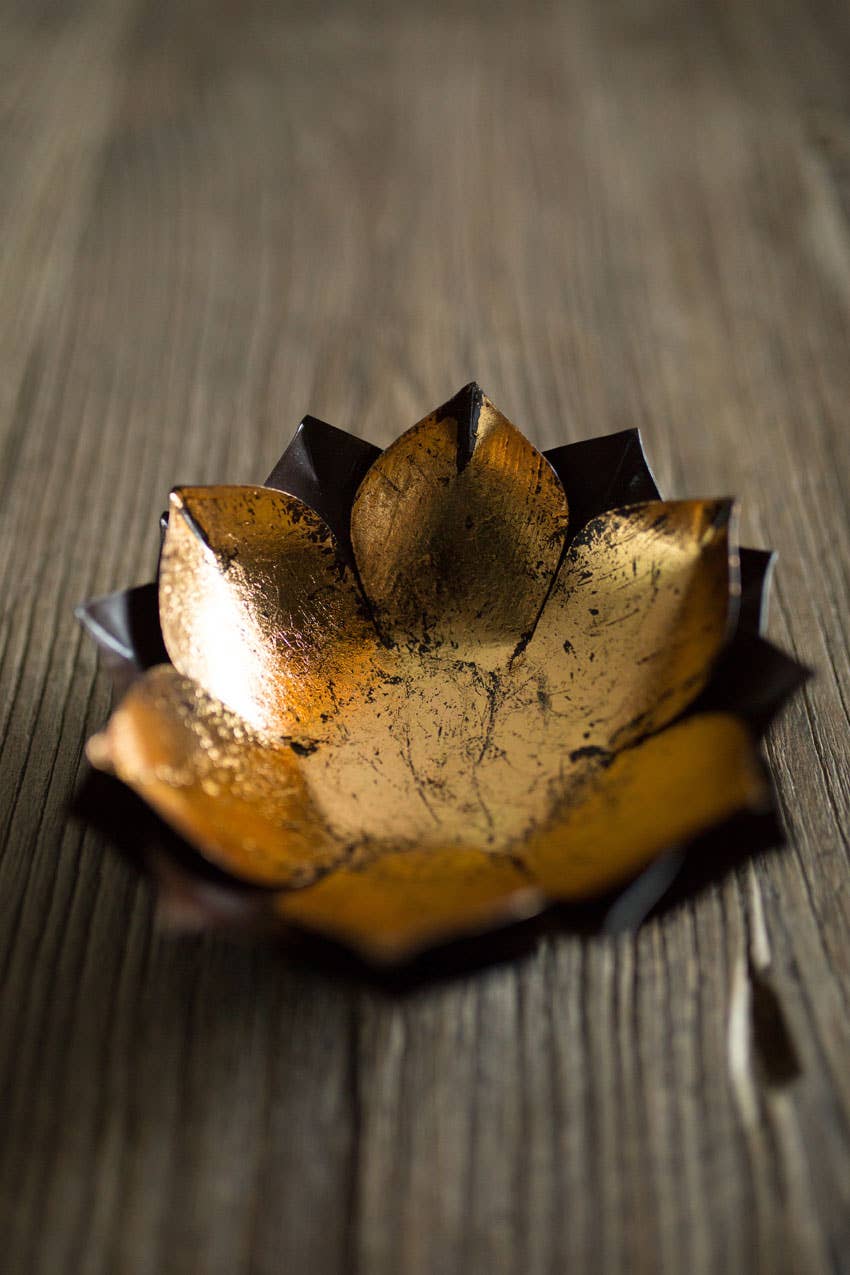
(215, 218)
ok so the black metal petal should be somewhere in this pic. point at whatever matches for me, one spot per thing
(125, 626)
(685, 870)
(752, 679)
(599, 474)
(323, 466)
(756, 573)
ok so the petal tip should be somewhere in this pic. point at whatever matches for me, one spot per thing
(99, 752)
(724, 513)
(180, 505)
(465, 408)
(407, 939)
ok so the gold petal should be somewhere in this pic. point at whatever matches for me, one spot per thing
(635, 620)
(243, 803)
(457, 530)
(653, 797)
(396, 906)
(258, 607)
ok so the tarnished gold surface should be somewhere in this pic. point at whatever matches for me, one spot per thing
(447, 752)
(660, 793)
(636, 618)
(456, 554)
(439, 779)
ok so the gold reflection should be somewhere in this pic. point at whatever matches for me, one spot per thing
(258, 607)
(243, 802)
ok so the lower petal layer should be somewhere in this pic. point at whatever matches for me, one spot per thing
(394, 907)
(653, 797)
(245, 805)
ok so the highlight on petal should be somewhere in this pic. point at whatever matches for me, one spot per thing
(243, 803)
(394, 907)
(457, 531)
(257, 605)
(654, 797)
(636, 618)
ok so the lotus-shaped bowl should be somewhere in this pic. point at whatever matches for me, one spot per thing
(401, 697)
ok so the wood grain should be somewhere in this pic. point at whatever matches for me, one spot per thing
(216, 217)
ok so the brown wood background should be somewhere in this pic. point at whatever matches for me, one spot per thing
(216, 216)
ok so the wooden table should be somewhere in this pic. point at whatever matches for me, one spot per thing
(216, 217)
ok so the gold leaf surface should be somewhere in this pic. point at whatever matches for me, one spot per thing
(456, 552)
(394, 907)
(257, 606)
(657, 795)
(244, 804)
(636, 619)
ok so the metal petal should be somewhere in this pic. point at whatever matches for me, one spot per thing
(753, 679)
(654, 797)
(636, 619)
(323, 466)
(258, 606)
(395, 907)
(125, 627)
(244, 803)
(457, 531)
(603, 473)
(756, 573)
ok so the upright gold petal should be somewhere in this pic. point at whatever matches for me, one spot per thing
(243, 804)
(393, 907)
(653, 797)
(635, 620)
(457, 530)
(258, 607)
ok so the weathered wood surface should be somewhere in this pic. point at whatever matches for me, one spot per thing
(215, 217)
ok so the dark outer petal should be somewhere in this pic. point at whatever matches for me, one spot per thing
(756, 573)
(125, 626)
(752, 679)
(323, 466)
(603, 473)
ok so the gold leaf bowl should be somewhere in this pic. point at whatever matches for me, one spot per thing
(397, 698)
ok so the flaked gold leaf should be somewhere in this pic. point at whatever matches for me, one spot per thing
(636, 619)
(659, 794)
(457, 529)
